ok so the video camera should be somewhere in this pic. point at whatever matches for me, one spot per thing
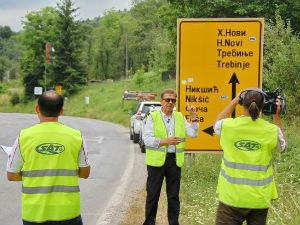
(270, 106)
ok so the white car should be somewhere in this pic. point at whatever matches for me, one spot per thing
(137, 118)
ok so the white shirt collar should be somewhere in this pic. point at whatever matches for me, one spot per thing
(165, 116)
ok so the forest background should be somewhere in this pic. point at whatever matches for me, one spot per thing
(121, 43)
(133, 47)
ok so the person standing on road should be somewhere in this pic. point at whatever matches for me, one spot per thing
(246, 185)
(164, 137)
(48, 158)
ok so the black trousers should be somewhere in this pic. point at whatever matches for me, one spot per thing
(154, 182)
(76, 221)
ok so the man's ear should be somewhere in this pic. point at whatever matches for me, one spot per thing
(61, 111)
(37, 110)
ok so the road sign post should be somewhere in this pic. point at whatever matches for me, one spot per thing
(216, 59)
(38, 90)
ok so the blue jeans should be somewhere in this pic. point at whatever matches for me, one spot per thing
(76, 221)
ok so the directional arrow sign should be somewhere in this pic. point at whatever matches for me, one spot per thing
(233, 80)
(209, 130)
(216, 59)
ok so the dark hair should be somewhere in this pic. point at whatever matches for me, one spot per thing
(50, 103)
(168, 91)
(254, 102)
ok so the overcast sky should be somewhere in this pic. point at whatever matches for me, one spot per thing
(12, 11)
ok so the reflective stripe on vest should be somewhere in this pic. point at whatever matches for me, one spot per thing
(44, 173)
(159, 149)
(246, 181)
(50, 189)
(179, 150)
(245, 166)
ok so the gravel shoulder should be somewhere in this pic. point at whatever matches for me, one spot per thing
(133, 183)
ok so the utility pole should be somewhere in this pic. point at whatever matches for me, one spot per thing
(47, 46)
(45, 78)
(126, 56)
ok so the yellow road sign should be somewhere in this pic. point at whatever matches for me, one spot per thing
(58, 89)
(216, 59)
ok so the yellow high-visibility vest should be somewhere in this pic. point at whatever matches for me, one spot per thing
(157, 156)
(246, 178)
(50, 188)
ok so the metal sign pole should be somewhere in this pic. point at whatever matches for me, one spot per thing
(190, 161)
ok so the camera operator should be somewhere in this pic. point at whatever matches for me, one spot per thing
(246, 184)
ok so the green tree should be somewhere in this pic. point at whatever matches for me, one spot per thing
(110, 57)
(140, 30)
(68, 69)
(87, 54)
(147, 34)
(39, 29)
(11, 48)
(4, 65)
(10, 51)
(288, 9)
(5, 32)
(282, 62)
(13, 73)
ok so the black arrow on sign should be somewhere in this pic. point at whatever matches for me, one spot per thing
(209, 130)
(233, 80)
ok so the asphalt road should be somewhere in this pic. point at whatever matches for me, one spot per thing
(117, 169)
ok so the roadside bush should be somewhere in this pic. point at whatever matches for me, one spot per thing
(15, 99)
(23, 99)
(282, 62)
(138, 77)
(1, 89)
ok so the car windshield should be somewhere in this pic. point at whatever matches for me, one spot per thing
(137, 108)
(145, 107)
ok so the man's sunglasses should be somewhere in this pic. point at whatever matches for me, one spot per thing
(173, 100)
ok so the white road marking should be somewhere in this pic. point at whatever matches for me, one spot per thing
(98, 139)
